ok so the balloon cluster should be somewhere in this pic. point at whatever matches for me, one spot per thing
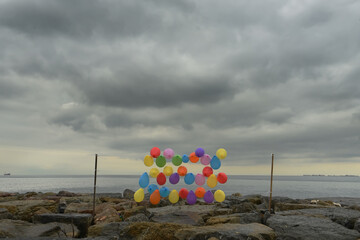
(207, 175)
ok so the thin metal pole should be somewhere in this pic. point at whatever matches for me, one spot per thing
(271, 180)
(95, 184)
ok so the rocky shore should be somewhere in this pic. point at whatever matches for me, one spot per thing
(67, 215)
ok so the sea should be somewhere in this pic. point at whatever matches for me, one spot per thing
(297, 187)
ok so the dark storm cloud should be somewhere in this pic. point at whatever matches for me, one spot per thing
(151, 92)
(85, 18)
(254, 77)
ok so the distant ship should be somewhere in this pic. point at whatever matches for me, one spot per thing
(7, 174)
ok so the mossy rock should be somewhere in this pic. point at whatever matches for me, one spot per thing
(152, 231)
(11, 209)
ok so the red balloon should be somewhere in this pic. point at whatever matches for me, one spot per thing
(182, 170)
(161, 178)
(155, 197)
(222, 178)
(155, 152)
(183, 193)
(207, 171)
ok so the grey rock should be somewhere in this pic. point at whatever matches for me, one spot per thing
(357, 225)
(254, 231)
(180, 217)
(129, 194)
(66, 194)
(309, 227)
(243, 207)
(342, 216)
(5, 214)
(138, 218)
(81, 221)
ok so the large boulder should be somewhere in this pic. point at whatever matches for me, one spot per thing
(309, 227)
(81, 221)
(254, 231)
(5, 214)
(129, 194)
(109, 230)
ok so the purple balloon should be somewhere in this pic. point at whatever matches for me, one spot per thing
(200, 179)
(205, 159)
(208, 197)
(174, 178)
(199, 152)
(191, 198)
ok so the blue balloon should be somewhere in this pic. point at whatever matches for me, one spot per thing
(215, 163)
(185, 158)
(152, 188)
(144, 180)
(189, 178)
(164, 191)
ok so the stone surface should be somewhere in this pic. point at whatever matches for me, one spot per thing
(79, 208)
(108, 214)
(254, 231)
(81, 221)
(66, 194)
(309, 227)
(294, 206)
(357, 225)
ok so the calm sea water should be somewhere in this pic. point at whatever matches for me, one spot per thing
(288, 186)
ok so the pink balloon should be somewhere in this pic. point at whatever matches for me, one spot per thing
(206, 159)
(168, 153)
(200, 179)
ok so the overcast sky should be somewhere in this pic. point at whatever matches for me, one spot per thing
(120, 77)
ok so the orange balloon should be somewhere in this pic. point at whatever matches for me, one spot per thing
(182, 170)
(200, 192)
(155, 197)
(193, 157)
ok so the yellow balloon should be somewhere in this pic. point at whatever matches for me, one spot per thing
(154, 172)
(139, 195)
(148, 161)
(174, 196)
(219, 196)
(221, 153)
(168, 170)
(212, 181)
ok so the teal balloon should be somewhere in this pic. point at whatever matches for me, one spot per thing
(185, 158)
(164, 191)
(152, 188)
(215, 163)
(144, 180)
(189, 178)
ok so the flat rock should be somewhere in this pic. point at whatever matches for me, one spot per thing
(110, 230)
(254, 231)
(309, 227)
(236, 218)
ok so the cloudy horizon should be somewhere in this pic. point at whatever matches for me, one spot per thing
(120, 77)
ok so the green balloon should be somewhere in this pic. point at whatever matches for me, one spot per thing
(177, 160)
(160, 161)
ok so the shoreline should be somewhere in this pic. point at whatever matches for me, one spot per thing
(118, 216)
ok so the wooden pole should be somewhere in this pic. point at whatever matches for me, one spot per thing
(271, 180)
(95, 184)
